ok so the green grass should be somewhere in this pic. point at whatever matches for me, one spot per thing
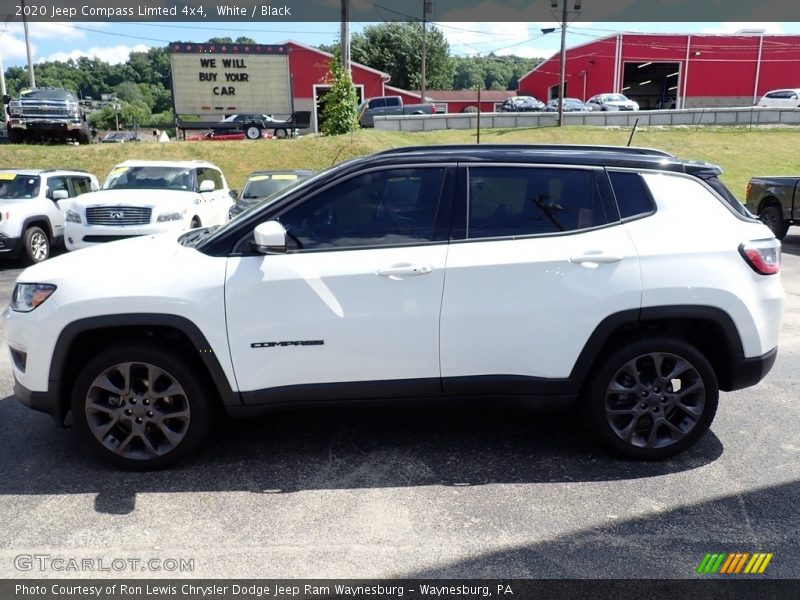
(741, 153)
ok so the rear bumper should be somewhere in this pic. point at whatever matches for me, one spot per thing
(746, 372)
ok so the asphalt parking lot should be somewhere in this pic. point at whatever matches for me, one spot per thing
(422, 492)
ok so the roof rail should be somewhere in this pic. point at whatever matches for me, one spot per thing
(523, 147)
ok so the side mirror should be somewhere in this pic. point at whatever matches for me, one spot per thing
(270, 238)
(59, 195)
(234, 194)
(207, 186)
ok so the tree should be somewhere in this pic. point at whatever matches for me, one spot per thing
(395, 49)
(340, 104)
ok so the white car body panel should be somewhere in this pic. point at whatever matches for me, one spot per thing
(520, 307)
(711, 271)
(180, 281)
(374, 327)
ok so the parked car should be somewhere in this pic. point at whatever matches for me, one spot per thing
(776, 201)
(264, 184)
(226, 136)
(32, 207)
(606, 102)
(570, 105)
(786, 98)
(119, 137)
(141, 197)
(521, 104)
(378, 279)
(390, 105)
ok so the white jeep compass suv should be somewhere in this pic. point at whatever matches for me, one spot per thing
(142, 196)
(564, 276)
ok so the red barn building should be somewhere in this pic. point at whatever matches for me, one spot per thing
(670, 70)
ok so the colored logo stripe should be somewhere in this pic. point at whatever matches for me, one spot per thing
(734, 563)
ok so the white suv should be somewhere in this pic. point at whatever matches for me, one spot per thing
(32, 206)
(559, 275)
(142, 196)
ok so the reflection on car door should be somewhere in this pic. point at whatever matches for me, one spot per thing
(357, 297)
(540, 267)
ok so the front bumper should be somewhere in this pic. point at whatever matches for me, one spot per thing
(745, 372)
(9, 246)
(45, 402)
(77, 236)
(46, 124)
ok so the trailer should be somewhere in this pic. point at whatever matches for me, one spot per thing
(253, 126)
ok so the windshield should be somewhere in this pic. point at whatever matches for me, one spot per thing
(261, 186)
(48, 95)
(156, 178)
(16, 187)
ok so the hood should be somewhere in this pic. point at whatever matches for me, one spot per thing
(129, 258)
(144, 198)
(621, 103)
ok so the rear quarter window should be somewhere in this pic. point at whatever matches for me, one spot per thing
(633, 197)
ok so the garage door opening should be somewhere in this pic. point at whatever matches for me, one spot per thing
(653, 85)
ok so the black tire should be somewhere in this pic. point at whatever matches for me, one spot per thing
(651, 398)
(126, 425)
(772, 217)
(281, 134)
(36, 245)
(15, 136)
(253, 132)
(84, 137)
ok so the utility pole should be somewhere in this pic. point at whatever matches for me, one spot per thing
(563, 55)
(31, 77)
(345, 35)
(427, 6)
(563, 65)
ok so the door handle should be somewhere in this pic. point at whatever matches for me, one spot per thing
(595, 257)
(405, 270)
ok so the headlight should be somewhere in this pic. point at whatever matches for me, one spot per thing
(72, 216)
(28, 296)
(171, 216)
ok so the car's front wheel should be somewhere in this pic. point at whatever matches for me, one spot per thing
(253, 132)
(141, 407)
(652, 398)
(37, 245)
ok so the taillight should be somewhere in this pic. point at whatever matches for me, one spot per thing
(763, 256)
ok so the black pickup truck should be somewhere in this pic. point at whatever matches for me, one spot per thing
(776, 201)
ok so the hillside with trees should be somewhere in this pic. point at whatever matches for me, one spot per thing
(143, 88)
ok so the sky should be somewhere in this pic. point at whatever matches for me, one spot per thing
(113, 42)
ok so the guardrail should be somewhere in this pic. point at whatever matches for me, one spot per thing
(690, 116)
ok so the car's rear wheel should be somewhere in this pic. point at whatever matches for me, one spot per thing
(141, 407)
(36, 244)
(772, 217)
(652, 398)
(281, 134)
(253, 132)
